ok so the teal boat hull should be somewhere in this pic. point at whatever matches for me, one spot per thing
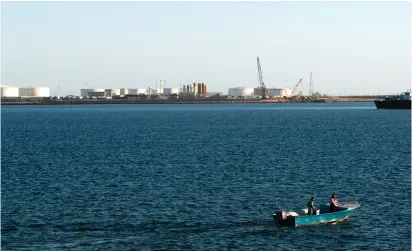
(322, 218)
(292, 219)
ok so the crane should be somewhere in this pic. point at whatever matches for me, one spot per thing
(310, 85)
(296, 87)
(262, 84)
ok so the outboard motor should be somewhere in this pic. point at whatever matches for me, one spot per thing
(283, 219)
(280, 215)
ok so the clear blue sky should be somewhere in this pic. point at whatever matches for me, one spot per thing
(351, 47)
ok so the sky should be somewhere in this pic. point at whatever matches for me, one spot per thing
(352, 48)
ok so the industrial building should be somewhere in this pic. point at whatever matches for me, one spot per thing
(241, 92)
(102, 93)
(125, 91)
(194, 89)
(210, 94)
(92, 92)
(111, 92)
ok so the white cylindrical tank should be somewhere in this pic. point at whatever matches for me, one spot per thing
(274, 92)
(124, 91)
(286, 92)
(277, 92)
(175, 91)
(131, 91)
(170, 91)
(241, 92)
(41, 91)
(142, 91)
(154, 91)
(167, 91)
(25, 92)
(34, 91)
(9, 92)
(116, 91)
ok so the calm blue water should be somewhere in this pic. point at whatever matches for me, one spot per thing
(202, 177)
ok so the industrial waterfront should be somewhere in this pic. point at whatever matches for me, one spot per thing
(160, 100)
(196, 92)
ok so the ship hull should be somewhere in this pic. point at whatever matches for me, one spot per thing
(393, 104)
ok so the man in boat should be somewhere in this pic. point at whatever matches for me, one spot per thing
(333, 203)
(311, 207)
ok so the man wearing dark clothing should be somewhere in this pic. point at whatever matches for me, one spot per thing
(311, 207)
(333, 203)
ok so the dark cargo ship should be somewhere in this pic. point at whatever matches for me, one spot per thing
(402, 101)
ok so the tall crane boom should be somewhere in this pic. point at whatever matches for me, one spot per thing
(296, 86)
(262, 84)
(310, 85)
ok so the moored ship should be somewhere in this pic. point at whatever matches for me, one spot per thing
(402, 101)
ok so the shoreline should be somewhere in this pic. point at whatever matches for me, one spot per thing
(177, 102)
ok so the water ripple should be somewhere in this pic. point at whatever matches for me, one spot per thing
(202, 177)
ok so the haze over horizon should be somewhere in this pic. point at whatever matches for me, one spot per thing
(351, 47)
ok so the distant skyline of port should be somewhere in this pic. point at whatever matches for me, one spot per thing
(352, 48)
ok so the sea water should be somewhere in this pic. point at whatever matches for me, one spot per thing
(202, 177)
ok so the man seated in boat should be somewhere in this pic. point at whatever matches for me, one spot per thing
(311, 207)
(333, 203)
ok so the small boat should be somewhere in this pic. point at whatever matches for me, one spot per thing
(322, 216)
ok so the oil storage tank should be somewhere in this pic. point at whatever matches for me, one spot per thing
(131, 91)
(170, 91)
(41, 91)
(154, 91)
(142, 91)
(35, 91)
(240, 92)
(9, 91)
(280, 92)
